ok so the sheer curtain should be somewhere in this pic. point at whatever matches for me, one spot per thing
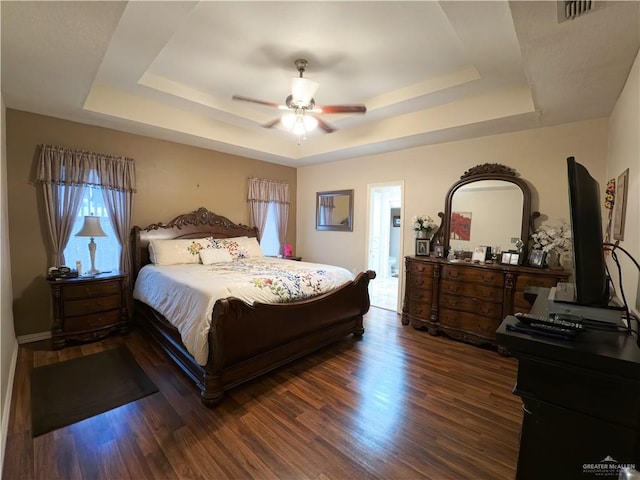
(262, 192)
(64, 173)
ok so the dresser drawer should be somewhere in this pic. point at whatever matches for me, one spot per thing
(520, 304)
(468, 322)
(420, 269)
(93, 289)
(91, 322)
(473, 275)
(92, 305)
(418, 281)
(471, 305)
(420, 294)
(485, 293)
(420, 309)
(524, 281)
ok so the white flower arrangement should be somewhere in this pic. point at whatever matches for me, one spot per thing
(422, 223)
(553, 237)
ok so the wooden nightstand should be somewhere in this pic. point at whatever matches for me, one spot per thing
(89, 308)
(297, 259)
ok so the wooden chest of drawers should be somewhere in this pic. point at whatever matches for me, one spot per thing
(468, 301)
(89, 308)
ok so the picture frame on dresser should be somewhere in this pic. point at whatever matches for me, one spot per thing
(506, 258)
(422, 247)
(479, 254)
(536, 258)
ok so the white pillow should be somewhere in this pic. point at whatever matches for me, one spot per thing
(174, 252)
(252, 247)
(215, 255)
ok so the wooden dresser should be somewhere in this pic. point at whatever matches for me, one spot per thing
(468, 301)
(89, 308)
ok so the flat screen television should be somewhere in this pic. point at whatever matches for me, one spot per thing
(591, 283)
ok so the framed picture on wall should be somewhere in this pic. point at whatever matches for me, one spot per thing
(620, 205)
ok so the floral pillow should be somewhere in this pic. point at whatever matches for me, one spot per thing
(231, 245)
(175, 252)
(238, 247)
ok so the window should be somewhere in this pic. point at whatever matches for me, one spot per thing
(269, 240)
(107, 248)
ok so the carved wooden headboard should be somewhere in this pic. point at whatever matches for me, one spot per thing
(197, 224)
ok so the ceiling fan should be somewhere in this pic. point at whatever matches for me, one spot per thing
(302, 109)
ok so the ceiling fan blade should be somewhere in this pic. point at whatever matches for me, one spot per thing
(340, 109)
(324, 125)
(271, 123)
(253, 100)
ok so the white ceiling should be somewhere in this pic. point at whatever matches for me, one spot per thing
(428, 71)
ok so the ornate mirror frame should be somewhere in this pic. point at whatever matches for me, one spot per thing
(488, 171)
(341, 200)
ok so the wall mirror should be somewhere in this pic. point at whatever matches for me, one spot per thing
(489, 206)
(334, 210)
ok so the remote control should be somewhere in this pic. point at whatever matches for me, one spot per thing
(556, 322)
(552, 328)
(552, 333)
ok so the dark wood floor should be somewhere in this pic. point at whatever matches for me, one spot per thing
(399, 404)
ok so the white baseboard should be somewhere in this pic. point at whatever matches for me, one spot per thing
(33, 337)
(6, 405)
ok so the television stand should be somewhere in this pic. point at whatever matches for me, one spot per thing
(581, 401)
(559, 303)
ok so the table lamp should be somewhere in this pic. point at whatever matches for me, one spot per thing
(92, 228)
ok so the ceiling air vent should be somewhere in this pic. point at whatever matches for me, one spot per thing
(572, 9)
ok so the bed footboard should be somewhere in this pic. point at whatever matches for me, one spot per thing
(247, 341)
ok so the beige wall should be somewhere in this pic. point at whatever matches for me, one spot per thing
(539, 155)
(624, 152)
(171, 179)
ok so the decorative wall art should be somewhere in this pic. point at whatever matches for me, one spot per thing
(609, 202)
(620, 206)
(460, 226)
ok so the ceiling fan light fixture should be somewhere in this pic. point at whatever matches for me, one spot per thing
(303, 90)
(298, 128)
(298, 123)
(310, 123)
(288, 120)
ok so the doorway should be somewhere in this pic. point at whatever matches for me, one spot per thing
(384, 243)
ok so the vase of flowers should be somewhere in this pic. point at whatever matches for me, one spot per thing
(423, 225)
(555, 241)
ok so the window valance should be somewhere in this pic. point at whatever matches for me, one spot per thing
(264, 190)
(60, 165)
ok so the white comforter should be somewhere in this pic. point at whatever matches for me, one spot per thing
(185, 294)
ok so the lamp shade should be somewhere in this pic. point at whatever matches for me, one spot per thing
(303, 90)
(91, 228)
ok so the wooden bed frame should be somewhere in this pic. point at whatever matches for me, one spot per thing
(246, 341)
